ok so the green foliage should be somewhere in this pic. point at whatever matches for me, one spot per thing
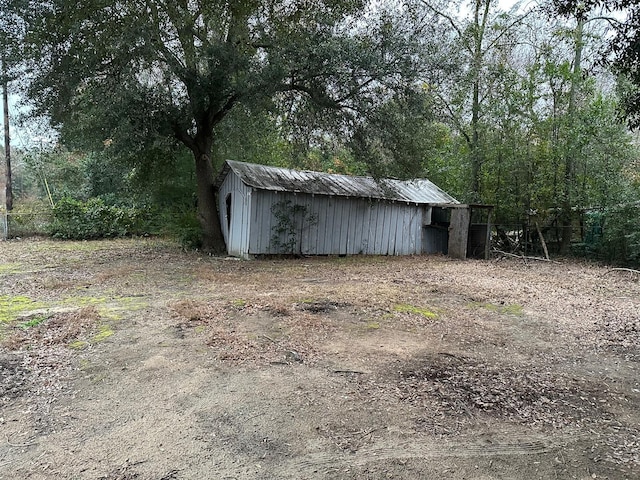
(57, 172)
(12, 31)
(613, 234)
(183, 225)
(79, 220)
(252, 135)
(11, 307)
(116, 197)
(396, 135)
(291, 221)
(29, 217)
(34, 322)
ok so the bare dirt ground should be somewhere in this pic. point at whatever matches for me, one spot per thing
(134, 360)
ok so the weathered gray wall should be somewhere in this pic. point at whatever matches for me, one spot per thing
(435, 239)
(339, 225)
(236, 231)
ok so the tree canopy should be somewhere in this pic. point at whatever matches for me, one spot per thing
(623, 53)
(142, 75)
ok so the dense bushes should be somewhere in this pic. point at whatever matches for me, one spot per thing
(85, 220)
(613, 235)
(183, 225)
(621, 234)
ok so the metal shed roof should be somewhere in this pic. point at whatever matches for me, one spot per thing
(264, 177)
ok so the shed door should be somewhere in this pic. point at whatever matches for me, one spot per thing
(459, 232)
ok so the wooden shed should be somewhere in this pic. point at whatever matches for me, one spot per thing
(268, 210)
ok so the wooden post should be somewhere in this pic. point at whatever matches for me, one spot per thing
(487, 242)
(459, 231)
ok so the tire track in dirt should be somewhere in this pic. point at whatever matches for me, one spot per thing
(427, 450)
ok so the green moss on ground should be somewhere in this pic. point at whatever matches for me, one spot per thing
(105, 332)
(9, 268)
(12, 307)
(512, 309)
(406, 308)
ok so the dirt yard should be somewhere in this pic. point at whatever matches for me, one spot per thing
(132, 359)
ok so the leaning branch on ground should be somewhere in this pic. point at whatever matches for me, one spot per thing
(524, 257)
(620, 269)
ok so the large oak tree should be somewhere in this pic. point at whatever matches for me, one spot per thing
(141, 75)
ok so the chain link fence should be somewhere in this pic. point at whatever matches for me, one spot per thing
(26, 223)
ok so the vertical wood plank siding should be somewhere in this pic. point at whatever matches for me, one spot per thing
(459, 232)
(236, 232)
(339, 226)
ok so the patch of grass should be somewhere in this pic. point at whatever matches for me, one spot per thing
(105, 332)
(239, 303)
(62, 328)
(124, 305)
(513, 309)
(105, 305)
(306, 300)
(78, 345)
(9, 268)
(108, 313)
(83, 246)
(373, 325)
(34, 322)
(12, 306)
(132, 303)
(406, 308)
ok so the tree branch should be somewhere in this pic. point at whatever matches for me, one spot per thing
(215, 117)
(321, 98)
(355, 91)
(182, 135)
(507, 28)
(445, 16)
(454, 117)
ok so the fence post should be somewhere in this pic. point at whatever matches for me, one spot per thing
(4, 224)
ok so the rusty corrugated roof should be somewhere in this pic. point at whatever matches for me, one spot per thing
(286, 180)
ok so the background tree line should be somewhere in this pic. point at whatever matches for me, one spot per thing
(527, 109)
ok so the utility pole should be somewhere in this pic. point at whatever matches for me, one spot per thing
(7, 139)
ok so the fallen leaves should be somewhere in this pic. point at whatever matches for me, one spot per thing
(37, 358)
(520, 393)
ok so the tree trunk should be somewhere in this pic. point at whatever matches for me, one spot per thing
(479, 26)
(476, 159)
(7, 139)
(212, 239)
(570, 157)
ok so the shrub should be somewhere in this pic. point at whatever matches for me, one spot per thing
(80, 220)
(621, 234)
(183, 224)
(613, 235)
